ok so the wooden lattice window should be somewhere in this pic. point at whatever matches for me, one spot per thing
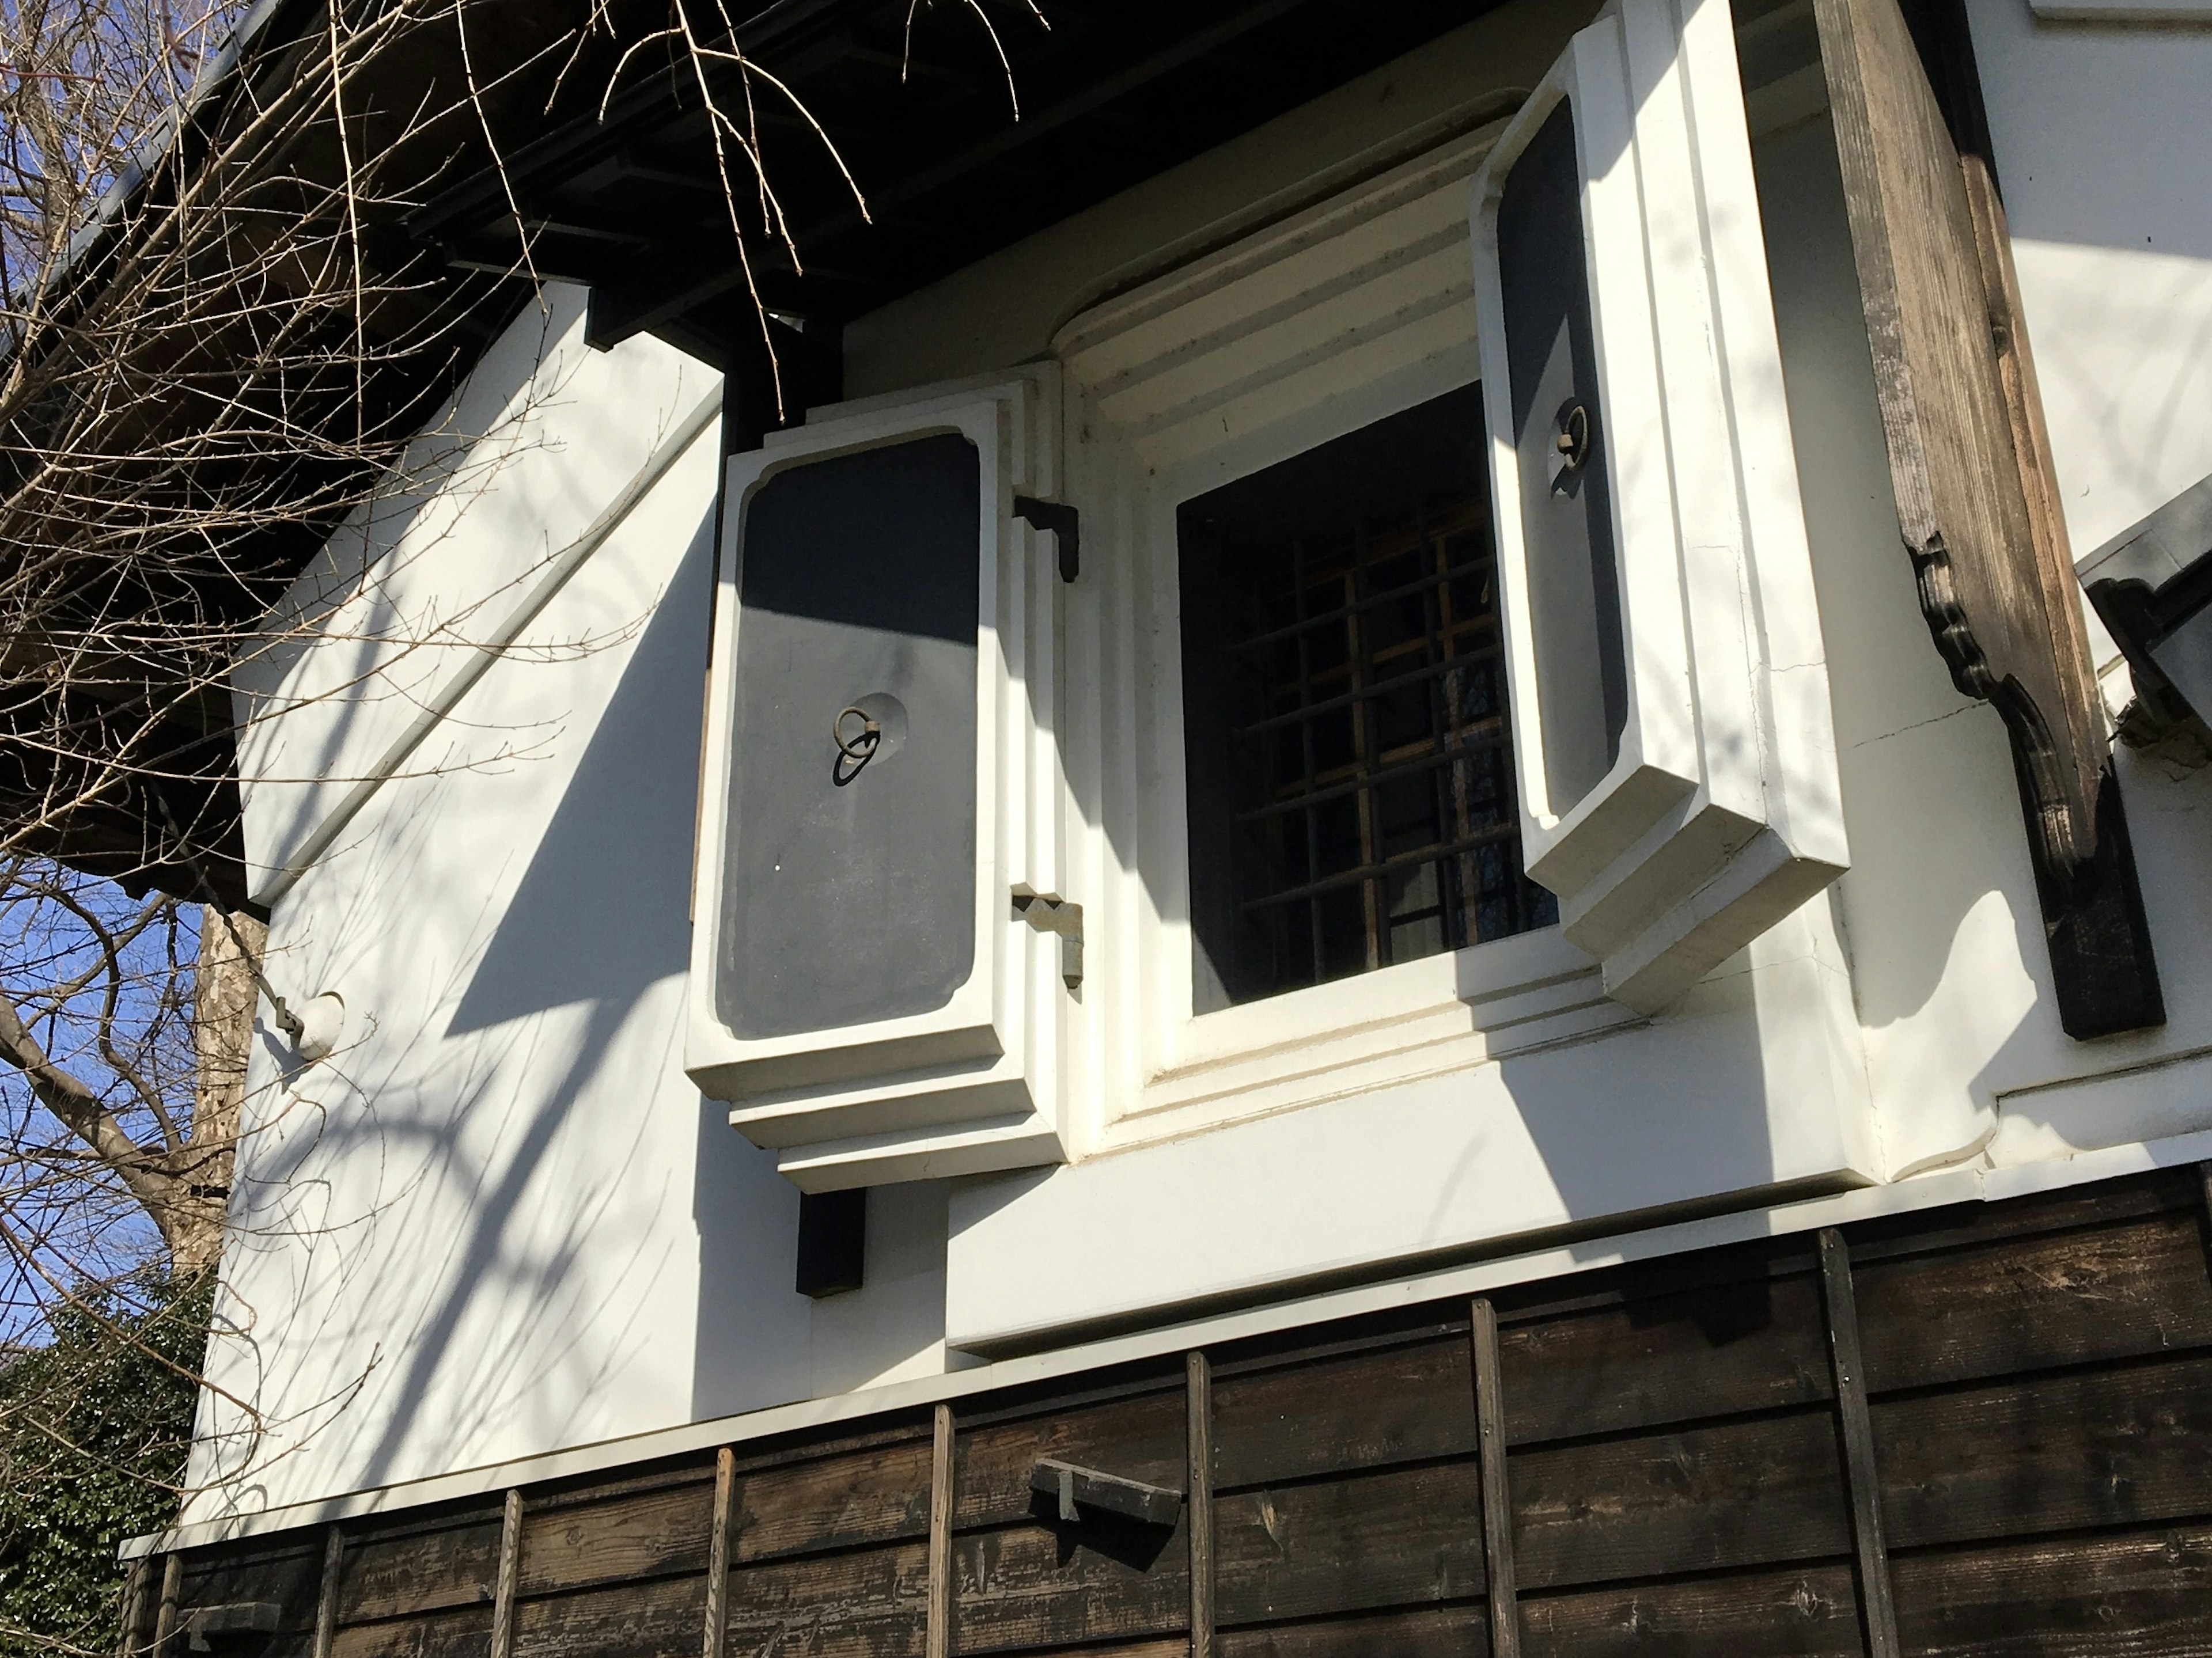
(1350, 767)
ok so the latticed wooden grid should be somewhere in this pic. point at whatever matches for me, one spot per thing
(1388, 809)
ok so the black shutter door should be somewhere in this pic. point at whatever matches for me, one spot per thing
(848, 888)
(1574, 598)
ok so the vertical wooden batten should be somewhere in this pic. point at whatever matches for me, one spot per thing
(134, 1607)
(718, 1554)
(173, 1588)
(1198, 1374)
(327, 1594)
(1497, 1494)
(510, 1569)
(1861, 1477)
(939, 1638)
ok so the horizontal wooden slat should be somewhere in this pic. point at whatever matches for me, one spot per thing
(462, 1632)
(1141, 1438)
(1811, 1612)
(1708, 1499)
(2118, 1291)
(867, 1497)
(1458, 1631)
(1754, 1344)
(1364, 1410)
(1037, 1585)
(867, 1603)
(2147, 1595)
(658, 1619)
(648, 1534)
(1961, 1225)
(423, 1571)
(2049, 1454)
(1397, 1538)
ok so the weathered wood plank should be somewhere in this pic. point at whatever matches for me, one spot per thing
(456, 1632)
(2120, 1291)
(939, 1632)
(1497, 1484)
(1453, 1631)
(865, 1603)
(2112, 1448)
(865, 1496)
(653, 1533)
(505, 1583)
(420, 1571)
(1143, 1437)
(1199, 1466)
(1754, 1344)
(130, 1636)
(718, 1554)
(287, 1578)
(1361, 1411)
(1861, 1474)
(657, 1618)
(326, 1590)
(1397, 1537)
(165, 1617)
(2147, 1595)
(1704, 1499)
(1809, 1613)
(1040, 1584)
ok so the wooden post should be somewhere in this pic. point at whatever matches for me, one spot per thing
(134, 1607)
(1497, 1495)
(326, 1602)
(718, 1554)
(173, 1589)
(940, 1634)
(1861, 1478)
(510, 1568)
(1199, 1383)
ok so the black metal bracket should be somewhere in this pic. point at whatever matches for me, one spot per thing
(1058, 517)
(1079, 1488)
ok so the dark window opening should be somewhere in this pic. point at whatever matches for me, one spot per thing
(1348, 758)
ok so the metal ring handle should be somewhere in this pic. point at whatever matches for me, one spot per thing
(858, 749)
(1573, 443)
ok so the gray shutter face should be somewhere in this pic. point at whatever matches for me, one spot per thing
(1574, 598)
(848, 892)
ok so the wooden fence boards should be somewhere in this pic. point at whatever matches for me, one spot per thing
(1752, 1344)
(1808, 1612)
(1667, 1441)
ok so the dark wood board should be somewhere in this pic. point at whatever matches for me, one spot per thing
(1756, 1344)
(2045, 1454)
(1809, 1613)
(1359, 1410)
(1453, 1632)
(1396, 1538)
(1703, 1499)
(2074, 1297)
(865, 1603)
(650, 1534)
(657, 1619)
(424, 1572)
(462, 1632)
(2144, 1596)
(1044, 1584)
(867, 1497)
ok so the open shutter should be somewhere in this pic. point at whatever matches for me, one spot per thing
(1678, 793)
(866, 990)
(1976, 503)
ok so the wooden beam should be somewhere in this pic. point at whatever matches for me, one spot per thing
(718, 1553)
(939, 1638)
(327, 1600)
(1198, 1374)
(1497, 1494)
(134, 1607)
(510, 1568)
(173, 1589)
(1861, 1478)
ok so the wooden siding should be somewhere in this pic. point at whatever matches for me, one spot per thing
(1977, 1433)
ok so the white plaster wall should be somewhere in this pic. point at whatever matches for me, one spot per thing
(499, 1221)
